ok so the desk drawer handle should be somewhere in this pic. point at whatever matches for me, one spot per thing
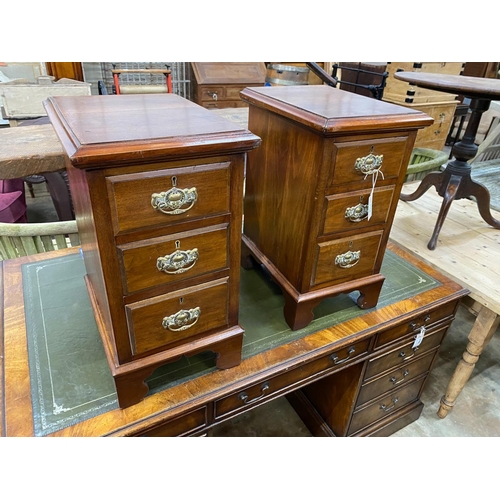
(369, 164)
(395, 381)
(336, 360)
(389, 408)
(177, 262)
(181, 320)
(171, 202)
(348, 259)
(403, 355)
(357, 213)
(263, 388)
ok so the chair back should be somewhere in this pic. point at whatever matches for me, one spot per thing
(18, 240)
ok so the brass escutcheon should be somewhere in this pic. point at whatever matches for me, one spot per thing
(181, 320)
(357, 213)
(171, 202)
(348, 259)
(368, 164)
(177, 262)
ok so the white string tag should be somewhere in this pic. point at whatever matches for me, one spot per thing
(419, 337)
(374, 175)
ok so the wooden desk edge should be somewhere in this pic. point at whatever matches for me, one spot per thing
(168, 404)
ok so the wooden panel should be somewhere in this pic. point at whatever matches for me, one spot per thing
(179, 426)
(146, 317)
(130, 195)
(328, 271)
(402, 354)
(139, 260)
(72, 70)
(336, 218)
(402, 375)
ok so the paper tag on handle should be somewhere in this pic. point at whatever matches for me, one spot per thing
(370, 206)
(419, 337)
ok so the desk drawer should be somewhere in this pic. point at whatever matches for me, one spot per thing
(402, 375)
(354, 159)
(402, 354)
(173, 258)
(429, 320)
(350, 211)
(179, 426)
(261, 391)
(168, 196)
(339, 260)
(169, 318)
(385, 406)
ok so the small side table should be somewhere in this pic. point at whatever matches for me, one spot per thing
(455, 182)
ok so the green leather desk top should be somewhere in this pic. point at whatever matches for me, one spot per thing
(70, 377)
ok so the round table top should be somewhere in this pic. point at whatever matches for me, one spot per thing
(468, 86)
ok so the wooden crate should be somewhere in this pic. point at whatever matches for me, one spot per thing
(405, 93)
(22, 99)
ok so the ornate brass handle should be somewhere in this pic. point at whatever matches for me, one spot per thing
(177, 262)
(348, 259)
(403, 355)
(388, 408)
(336, 360)
(357, 213)
(181, 320)
(395, 381)
(367, 165)
(263, 388)
(171, 202)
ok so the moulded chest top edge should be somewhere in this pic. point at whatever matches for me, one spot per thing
(332, 111)
(130, 128)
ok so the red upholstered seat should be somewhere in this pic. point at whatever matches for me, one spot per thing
(12, 201)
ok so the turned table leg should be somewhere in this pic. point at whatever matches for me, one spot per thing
(484, 327)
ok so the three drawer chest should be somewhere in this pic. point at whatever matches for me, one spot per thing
(157, 185)
(322, 190)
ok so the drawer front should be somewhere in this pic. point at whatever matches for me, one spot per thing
(402, 354)
(212, 93)
(234, 92)
(354, 160)
(174, 258)
(166, 196)
(385, 406)
(261, 391)
(157, 322)
(429, 320)
(390, 381)
(347, 258)
(224, 104)
(179, 426)
(346, 212)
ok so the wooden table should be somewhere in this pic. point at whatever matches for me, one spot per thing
(455, 182)
(468, 253)
(197, 404)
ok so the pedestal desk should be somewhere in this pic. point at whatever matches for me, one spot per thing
(157, 185)
(352, 372)
(322, 190)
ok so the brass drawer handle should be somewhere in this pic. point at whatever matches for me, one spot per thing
(263, 388)
(389, 408)
(403, 355)
(181, 320)
(369, 164)
(177, 262)
(395, 381)
(348, 259)
(171, 202)
(336, 360)
(357, 213)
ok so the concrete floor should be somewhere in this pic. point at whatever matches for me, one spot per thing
(476, 412)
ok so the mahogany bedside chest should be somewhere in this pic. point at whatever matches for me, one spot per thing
(157, 185)
(322, 190)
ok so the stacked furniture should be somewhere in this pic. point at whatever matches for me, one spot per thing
(157, 184)
(440, 105)
(218, 85)
(322, 190)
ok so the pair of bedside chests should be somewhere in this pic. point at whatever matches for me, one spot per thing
(158, 183)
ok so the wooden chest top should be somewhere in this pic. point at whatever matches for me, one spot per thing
(332, 111)
(94, 129)
(209, 73)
